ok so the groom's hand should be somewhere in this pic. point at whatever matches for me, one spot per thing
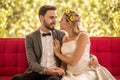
(54, 71)
(60, 71)
(93, 62)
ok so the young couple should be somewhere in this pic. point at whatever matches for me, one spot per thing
(55, 55)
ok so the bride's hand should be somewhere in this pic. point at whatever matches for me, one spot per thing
(57, 46)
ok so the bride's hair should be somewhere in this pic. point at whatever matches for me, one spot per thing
(75, 20)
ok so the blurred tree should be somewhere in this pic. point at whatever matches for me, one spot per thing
(99, 17)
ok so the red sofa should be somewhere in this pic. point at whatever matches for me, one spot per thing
(13, 58)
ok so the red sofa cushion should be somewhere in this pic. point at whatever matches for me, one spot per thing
(12, 56)
(107, 49)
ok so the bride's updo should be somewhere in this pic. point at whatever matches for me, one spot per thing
(74, 18)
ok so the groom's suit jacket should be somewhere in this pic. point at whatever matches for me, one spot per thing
(34, 50)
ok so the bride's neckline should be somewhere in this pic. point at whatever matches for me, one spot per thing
(69, 41)
(72, 40)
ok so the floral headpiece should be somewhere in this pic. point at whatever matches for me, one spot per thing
(68, 13)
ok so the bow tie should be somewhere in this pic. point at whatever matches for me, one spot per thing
(46, 34)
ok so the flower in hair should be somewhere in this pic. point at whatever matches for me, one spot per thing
(68, 13)
(71, 18)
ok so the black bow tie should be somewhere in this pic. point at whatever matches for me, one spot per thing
(46, 34)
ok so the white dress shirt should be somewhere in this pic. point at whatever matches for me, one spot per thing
(48, 59)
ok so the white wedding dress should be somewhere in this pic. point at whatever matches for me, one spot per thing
(81, 70)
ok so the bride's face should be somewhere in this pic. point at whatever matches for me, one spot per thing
(63, 23)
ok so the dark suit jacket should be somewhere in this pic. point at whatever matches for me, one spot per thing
(34, 50)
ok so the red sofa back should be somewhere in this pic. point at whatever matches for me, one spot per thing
(13, 58)
(107, 50)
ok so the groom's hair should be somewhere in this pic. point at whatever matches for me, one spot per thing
(45, 8)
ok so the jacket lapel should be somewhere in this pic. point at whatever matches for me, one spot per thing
(54, 34)
(39, 41)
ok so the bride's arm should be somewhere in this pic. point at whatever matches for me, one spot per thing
(81, 44)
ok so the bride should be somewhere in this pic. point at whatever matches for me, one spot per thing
(75, 49)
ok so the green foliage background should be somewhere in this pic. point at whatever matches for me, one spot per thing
(99, 17)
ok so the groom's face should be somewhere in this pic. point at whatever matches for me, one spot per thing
(49, 19)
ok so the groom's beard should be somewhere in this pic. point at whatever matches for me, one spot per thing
(50, 26)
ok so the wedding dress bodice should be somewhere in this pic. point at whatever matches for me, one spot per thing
(68, 49)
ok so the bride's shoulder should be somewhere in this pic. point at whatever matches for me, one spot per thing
(83, 36)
